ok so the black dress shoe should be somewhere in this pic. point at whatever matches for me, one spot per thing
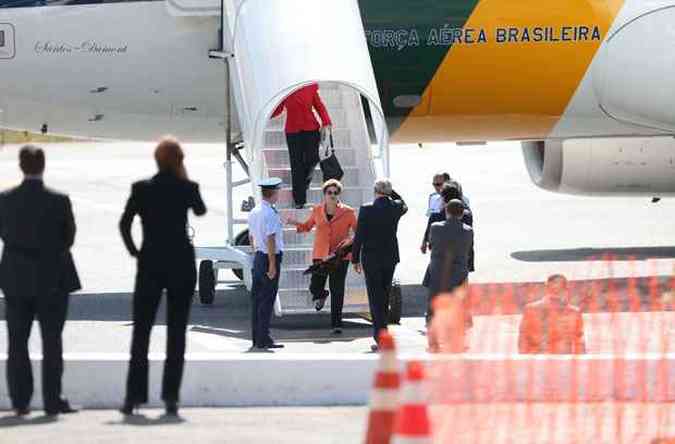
(273, 345)
(64, 407)
(171, 408)
(129, 408)
(24, 411)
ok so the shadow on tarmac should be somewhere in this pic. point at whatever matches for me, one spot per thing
(594, 254)
(19, 421)
(142, 420)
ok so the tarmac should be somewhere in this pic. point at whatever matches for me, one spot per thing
(523, 234)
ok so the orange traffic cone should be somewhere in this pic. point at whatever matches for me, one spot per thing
(412, 425)
(384, 398)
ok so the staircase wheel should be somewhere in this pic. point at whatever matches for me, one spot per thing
(207, 282)
(395, 303)
(240, 241)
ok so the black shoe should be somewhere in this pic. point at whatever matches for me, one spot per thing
(320, 303)
(171, 408)
(129, 408)
(299, 206)
(23, 411)
(274, 345)
(337, 331)
(64, 407)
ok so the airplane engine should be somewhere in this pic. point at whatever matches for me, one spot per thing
(603, 166)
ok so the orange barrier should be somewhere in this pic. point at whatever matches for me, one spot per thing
(600, 365)
(384, 397)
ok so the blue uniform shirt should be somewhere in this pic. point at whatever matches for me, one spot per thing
(264, 221)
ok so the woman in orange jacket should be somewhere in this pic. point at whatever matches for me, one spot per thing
(335, 223)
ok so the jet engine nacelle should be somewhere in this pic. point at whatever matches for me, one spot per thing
(604, 166)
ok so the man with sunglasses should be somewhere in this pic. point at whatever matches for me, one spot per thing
(435, 205)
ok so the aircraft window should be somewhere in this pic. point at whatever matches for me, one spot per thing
(36, 3)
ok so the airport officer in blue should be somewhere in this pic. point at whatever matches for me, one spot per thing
(266, 235)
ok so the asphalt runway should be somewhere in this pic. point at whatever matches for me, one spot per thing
(615, 423)
(522, 235)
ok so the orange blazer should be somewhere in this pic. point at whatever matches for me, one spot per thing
(549, 328)
(329, 234)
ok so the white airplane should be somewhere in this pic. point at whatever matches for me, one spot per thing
(587, 86)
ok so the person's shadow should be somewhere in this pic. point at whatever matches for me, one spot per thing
(18, 421)
(142, 420)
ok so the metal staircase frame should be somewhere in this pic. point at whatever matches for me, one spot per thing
(231, 256)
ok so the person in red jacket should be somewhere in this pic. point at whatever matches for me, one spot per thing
(303, 136)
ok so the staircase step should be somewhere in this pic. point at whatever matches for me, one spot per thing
(277, 137)
(297, 257)
(279, 158)
(292, 277)
(293, 239)
(332, 98)
(300, 300)
(351, 177)
(302, 214)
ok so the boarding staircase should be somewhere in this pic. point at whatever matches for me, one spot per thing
(272, 48)
(352, 147)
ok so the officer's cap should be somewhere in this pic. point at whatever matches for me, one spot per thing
(273, 183)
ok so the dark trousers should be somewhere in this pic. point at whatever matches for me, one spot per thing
(263, 295)
(378, 282)
(303, 150)
(179, 285)
(50, 311)
(336, 283)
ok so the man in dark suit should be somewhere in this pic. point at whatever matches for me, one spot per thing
(451, 242)
(376, 246)
(37, 274)
(448, 191)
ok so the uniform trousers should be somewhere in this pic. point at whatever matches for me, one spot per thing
(179, 284)
(303, 150)
(263, 294)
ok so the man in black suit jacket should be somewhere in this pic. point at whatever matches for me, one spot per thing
(37, 274)
(376, 246)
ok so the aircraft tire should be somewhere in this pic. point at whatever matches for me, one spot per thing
(240, 241)
(207, 282)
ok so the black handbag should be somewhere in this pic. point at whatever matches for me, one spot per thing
(330, 165)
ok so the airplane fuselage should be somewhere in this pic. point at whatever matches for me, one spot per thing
(446, 70)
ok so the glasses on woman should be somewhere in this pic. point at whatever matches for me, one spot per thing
(437, 184)
(332, 193)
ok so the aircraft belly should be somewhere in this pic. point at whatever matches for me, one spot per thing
(140, 80)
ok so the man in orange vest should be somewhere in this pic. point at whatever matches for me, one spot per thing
(552, 324)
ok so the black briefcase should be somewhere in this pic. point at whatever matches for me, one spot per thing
(330, 165)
